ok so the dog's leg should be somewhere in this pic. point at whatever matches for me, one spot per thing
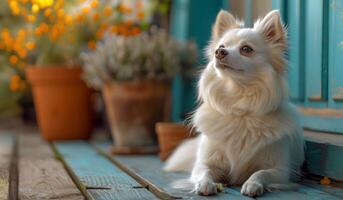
(204, 183)
(257, 182)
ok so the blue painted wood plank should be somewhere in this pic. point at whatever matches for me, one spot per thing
(335, 191)
(325, 160)
(302, 193)
(335, 54)
(6, 147)
(281, 5)
(248, 19)
(314, 49)
(150, 168)
(329, 124)
(225, 4)
(296, 50)
(96, 176)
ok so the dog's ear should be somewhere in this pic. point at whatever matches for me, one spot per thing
(271, 28)
(224, 22)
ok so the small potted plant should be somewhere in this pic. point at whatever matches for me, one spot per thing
(134, 74)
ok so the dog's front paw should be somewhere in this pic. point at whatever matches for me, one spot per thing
(206, 188)
(252, 189)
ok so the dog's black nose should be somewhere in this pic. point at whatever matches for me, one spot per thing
(221, 53)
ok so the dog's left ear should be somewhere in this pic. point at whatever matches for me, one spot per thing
(271, 28)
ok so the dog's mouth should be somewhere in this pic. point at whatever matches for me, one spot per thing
(226, 66)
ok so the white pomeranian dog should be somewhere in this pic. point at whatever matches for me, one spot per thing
(249, 133)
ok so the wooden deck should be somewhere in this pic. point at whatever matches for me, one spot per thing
(31, 168)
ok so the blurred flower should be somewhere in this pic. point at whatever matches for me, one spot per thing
(107, 11)
(13, 59)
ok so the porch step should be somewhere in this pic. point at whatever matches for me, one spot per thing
(324, 154)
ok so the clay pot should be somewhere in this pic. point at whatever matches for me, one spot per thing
(133, 108)
(62, 102)
(170, 135)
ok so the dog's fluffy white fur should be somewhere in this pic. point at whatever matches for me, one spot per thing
(250, 134)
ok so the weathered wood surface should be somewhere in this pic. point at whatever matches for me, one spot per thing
(41, 175)
(97, 177)
(6, 147)
(149, 167)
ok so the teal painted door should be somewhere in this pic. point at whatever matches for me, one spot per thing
(315, 60)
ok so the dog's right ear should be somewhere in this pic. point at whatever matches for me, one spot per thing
(224, 22)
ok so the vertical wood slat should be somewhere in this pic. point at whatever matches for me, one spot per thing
(6, 148)
(191, 20)
(281, 5)
(248, 19)
(179, 30)
(296, 50)
(41, 175)
(315, 67)
(335, 53)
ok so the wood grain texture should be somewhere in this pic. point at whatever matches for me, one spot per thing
(41, 175)
(149, 167)
(6, 147)
(97, 176)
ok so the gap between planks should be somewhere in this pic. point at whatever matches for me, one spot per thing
(71, 173)
(13, 170)
(107, 182)
(144, 182)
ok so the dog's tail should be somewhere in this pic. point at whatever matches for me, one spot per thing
(183, 157)
(282, 187)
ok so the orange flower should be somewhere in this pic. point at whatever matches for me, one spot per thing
(96, 16)
(91, 44)
(140, 15)
(2, 45)
(47, 12)
(22, 53)
(139, 4)
(31, 18)
(16, 84)
(107, 11)
(129, 23)
(114, 29)
(13, 59)
(135, 31)
(99, 34)
(80, 18)
(94, 4)
(124, 8)
(85, 10)
(68, 20)
(60, 13)
(30, 45)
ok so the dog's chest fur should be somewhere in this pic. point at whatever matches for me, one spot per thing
(236, 146)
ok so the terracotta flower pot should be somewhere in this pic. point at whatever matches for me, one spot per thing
(62, 102)
(170, 135)
(133, 108)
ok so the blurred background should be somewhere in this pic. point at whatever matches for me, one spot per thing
(315, 78)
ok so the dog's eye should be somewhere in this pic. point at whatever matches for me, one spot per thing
(221, 46)
(246, 50)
